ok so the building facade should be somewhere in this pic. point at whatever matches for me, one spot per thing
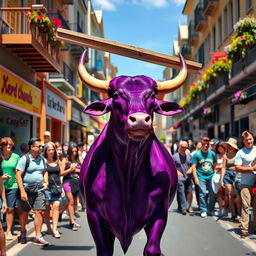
(216, 111)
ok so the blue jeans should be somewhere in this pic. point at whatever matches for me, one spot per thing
(204, 185)
(183, 188)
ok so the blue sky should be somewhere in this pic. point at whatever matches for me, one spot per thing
(149, 24)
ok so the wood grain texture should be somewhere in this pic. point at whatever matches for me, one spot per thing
(124, 50)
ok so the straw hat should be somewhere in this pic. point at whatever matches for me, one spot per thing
(231, 142)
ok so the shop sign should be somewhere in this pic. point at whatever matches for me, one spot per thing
(80, 117)
(55, 106)
(18, 93)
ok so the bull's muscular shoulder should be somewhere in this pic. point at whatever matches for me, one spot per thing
(160, 158)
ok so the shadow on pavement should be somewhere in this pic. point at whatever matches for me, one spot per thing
(66, 248)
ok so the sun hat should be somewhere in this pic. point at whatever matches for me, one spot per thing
(231, 142)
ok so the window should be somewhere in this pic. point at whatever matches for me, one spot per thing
(225, 22)
(213, 39)
(220, 30)
(237, 10)
(230, 17)
(248, 5)
(207, 48)
(201, 54)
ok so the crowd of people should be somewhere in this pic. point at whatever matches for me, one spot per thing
(223, 174)
(42, 182)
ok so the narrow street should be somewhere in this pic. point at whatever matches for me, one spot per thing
(184, 235)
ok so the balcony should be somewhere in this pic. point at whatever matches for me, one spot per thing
(200, 19)
(243, 72)
(210, 7)
(193, 35)
(64, 81)
(186, 51)
(26, 42)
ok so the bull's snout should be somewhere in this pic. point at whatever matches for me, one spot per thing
(139, 120)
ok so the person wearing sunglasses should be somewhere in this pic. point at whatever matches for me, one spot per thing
(32, 178)
(203, 165)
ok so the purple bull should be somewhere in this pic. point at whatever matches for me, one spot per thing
(128, 178)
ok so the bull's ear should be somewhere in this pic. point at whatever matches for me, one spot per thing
(98, 108)
(167, 108)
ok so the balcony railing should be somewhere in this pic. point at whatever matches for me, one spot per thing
(243, 72)
(200, 19)
(210, 6)
(186, 50)
(66, 74)
(193, 35)
(26, 41)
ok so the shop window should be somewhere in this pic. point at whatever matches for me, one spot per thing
(210, 132)
(244, 124)
(48, 124)
(227, 130)
(221, 131)
(236, 129)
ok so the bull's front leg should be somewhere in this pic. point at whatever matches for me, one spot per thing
(103, 237)
(154, 229)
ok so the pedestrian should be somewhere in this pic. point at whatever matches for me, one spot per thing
(3, 210)
(65, 148)
(71, 182)
(23, 149)
(53, 193)
(246, 164)
(229, 178)
(32, 179)
(47, 138)
(203, 165)
(184, 190)
(197, 146)
(9, 162)
(219, 171)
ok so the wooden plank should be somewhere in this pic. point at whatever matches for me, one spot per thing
(124, 50)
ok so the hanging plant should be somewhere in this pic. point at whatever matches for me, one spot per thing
(46, 25)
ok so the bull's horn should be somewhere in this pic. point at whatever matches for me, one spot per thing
(173, 84)
(92, 82)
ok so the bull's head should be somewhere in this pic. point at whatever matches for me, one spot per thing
(132, 100)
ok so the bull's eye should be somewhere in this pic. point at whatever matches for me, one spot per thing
(116, 95)
(153, 95)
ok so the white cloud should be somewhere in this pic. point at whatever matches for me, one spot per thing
(107, 5)
(179, 2)
(111, 5)
(155, 3)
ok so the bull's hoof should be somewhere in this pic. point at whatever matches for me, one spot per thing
(152, 252)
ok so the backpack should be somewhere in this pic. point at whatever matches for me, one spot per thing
(27, 163)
